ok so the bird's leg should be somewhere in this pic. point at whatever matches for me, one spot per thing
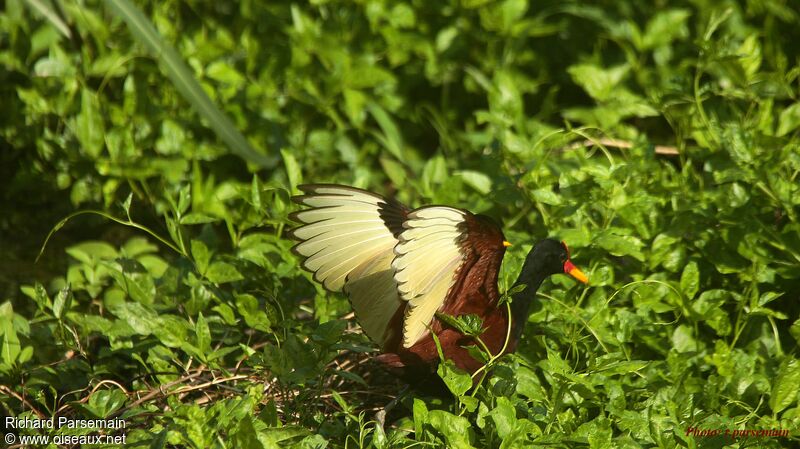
(380, 416)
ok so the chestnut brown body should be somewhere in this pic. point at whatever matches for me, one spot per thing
(401, 267)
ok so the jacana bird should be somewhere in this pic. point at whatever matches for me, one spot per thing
(399, 267)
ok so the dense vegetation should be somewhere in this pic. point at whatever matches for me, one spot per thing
(661, 140)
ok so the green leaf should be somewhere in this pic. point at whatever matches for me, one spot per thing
(293, 170)
(193, 218)
(255, 192)
(456, 430)
(598, 82)
(134, 280)
(203, 334)
(222, 272)
(395, 171)
(46, 9)
(420, 411)
(478, 354)
(666, 251)
(126, 205)
(10, 349)
(172, 139)
(690, 280)
(143, 320)
(89, 252)
(469, 324)
(103, 403)
(329, 332)
(621, 245)
(787, 385)
(546, 196)
(200, 254)
(172, 331)
(38, 294)
(355, 106)
(622, 367)
(62, 302)
(390, 137)
(224, 73)
(789, 120)
(246, 436)
(456, 379)
(254, 316)
(478, 181)
(434, 173)
(90, 128)
(504, 417)
(665, 27)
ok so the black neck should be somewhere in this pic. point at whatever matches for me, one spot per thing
(532, 277)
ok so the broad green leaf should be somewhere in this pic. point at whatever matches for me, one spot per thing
(133, 279)
(247, 305)
(478, 181)
(390, 137)
(88, 252)
(394, 171)
(434, 173)
(598, 82)
(172, 330)
(457, 381)
(200, 254)
(469, 324)
(193, 218)
(789, 120)
(547, 196)
(89, 124)
(787, 385)
(665, 27)
(293, 170)
(420, 411)
(10, 341)
(62, 302)
(504, 417)
(142, 319)
(38, 294)
(222, 272)
(621, 245)
(103, 403)
(690, 280)
(456, 430)
(203, 334)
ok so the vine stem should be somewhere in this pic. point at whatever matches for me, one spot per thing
(492, 357)
(127, 222)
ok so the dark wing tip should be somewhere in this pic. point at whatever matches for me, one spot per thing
(293, 216)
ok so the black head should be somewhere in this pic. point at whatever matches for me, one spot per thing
(549, 257)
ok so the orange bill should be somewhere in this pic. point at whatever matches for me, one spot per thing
(573, 271)
(506, 243)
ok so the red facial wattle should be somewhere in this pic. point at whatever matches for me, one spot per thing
(571, 269)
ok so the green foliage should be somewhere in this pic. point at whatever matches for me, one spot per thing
(660, 141)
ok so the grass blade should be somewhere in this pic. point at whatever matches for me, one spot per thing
(49, 13)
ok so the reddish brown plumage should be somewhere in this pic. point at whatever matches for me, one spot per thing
(474, 292)
(426, 260)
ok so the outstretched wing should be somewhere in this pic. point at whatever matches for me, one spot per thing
(428, 259)
(392, 263)
(347, 240)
